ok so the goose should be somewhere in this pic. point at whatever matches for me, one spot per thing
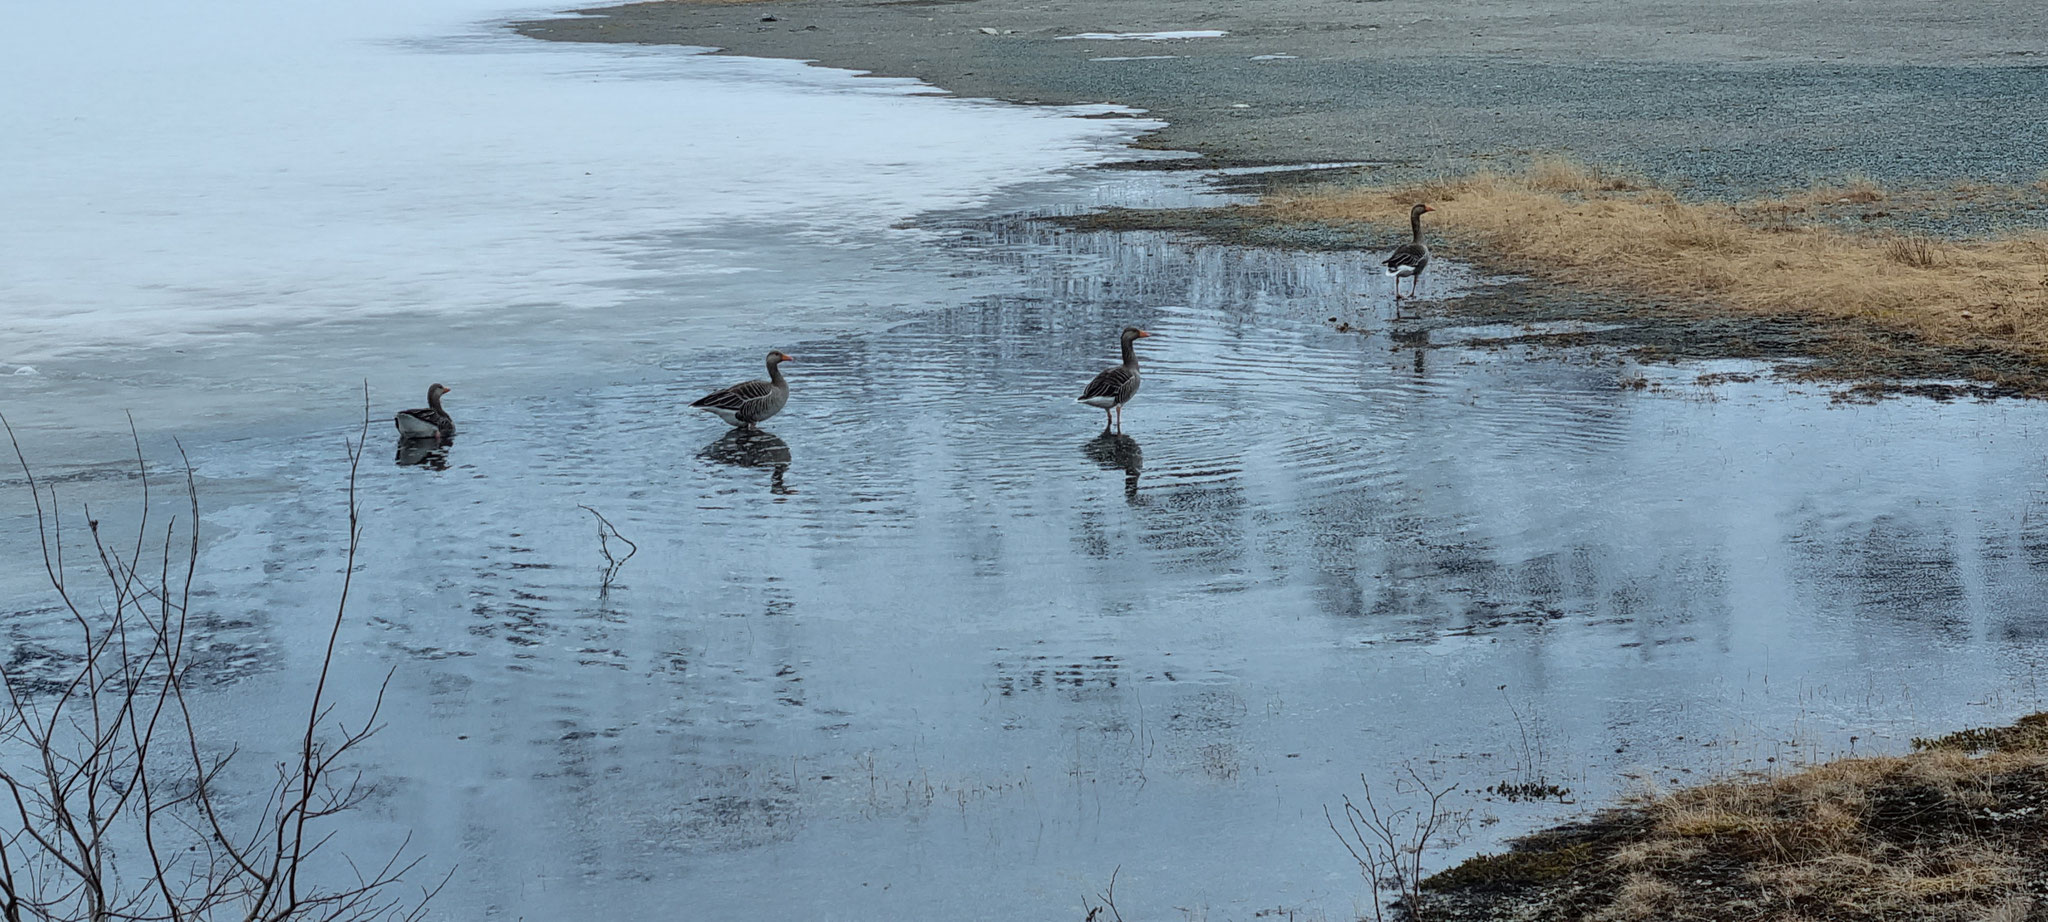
(428, 422)
(749, 402)
(1410, 258)
(1115, 386)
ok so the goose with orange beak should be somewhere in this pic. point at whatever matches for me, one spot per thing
(428, 422)
(1410, 258)
(1115, 386)
(746, 404)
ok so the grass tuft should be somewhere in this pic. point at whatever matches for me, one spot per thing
(1950, 832)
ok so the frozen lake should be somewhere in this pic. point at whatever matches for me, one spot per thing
(930, 646)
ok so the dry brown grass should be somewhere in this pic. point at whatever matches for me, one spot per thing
(1596, 229)
(1951, 833)
(1857, 838)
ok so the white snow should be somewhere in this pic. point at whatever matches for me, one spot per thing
(211, 168)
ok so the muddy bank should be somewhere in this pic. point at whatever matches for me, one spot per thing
(1726, 96)
(1951, 831)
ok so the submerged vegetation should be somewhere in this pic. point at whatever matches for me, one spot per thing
(1951, 831)
(1828, 251)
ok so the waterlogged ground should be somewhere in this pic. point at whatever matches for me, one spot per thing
(933, 647)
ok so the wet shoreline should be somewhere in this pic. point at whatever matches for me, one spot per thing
(1021, 53)
(1857, 361)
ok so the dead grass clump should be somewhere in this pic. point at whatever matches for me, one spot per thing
(1575, 225)
(1894, 837)
(1641, 897)
(1860, 189)
(1939, 834)
(1559, 174)
(1917, 250)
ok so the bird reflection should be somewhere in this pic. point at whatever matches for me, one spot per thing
(1116, 451)
(753, 448)
(1415, 340)
(429, 452)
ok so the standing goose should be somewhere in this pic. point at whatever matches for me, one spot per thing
(749, 402)
(428, 422)
(1115, 387)
(1410, 258)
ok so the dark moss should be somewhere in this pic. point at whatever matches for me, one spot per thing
(1515, 868)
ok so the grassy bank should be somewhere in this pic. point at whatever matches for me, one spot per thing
(1801, 254)
(1952, 831)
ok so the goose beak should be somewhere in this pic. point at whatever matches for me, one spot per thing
(1142, 334)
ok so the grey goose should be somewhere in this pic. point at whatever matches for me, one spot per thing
(748, 403)
(1115, 386)
(428, 422)
(1410, 258)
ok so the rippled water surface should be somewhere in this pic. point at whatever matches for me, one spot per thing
(933, 645)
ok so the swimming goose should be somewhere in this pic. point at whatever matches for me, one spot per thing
(1115, 387)
(1410, 258)
(749, 402)
(428, 422)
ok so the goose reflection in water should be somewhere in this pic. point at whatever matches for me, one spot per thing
(1415, 340)
(1116, 451)
(429, 452)
(753, 448)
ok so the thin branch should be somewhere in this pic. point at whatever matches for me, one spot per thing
(605, 532)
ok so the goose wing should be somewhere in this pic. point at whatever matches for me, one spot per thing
(1407, 255)
(430, 417)
(1109, 383)
(736, 397)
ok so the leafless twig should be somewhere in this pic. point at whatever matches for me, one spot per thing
(606, 532)
(1108, 905)
(1388, 842)
(110, 808)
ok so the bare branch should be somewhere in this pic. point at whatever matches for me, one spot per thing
(110, 826)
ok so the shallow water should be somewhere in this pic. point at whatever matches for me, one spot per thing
(932, 645)
(258, 206)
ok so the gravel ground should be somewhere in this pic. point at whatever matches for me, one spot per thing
(1717, 96)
